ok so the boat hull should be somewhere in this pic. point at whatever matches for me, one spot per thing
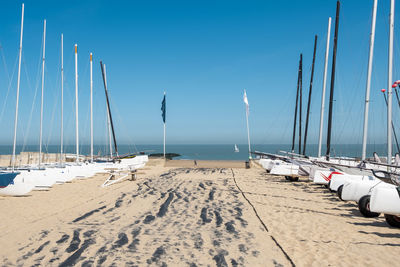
(338, 180)
(385, 200)
(355, 190)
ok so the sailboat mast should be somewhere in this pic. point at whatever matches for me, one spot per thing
(300, 100)
(108, 117)
(91, 107)
(309, 95)
(297, 101)
(321, 121)
(389, 110)
(368, 86)
(103, 71)
(18, 84)
(76, 104)
(41, 101)
(328, 141)
(62, 98)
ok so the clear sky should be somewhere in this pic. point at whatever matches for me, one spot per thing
(203, 53)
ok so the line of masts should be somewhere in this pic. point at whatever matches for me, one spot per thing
(388, 100)
(111, 127)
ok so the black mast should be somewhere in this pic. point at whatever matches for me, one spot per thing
(309, 96)
(328, 141)
(300, 100)
(109, 110)
(297, 100)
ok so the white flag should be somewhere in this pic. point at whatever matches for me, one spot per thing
(246, 101)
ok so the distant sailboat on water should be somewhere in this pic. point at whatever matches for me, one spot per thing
(236, 148)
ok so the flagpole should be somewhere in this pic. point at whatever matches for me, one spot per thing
(247, 122)
(163, 107)
(164, 131)
(248, 132)
(164, 140)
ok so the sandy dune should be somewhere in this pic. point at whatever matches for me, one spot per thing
(191, 217)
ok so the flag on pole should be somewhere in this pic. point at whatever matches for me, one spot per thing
(163, 106)
(246, 101)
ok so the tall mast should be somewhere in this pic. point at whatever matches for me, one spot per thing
(328, 141)
(18, 84)
(91, 107)
(368, 86)
(108, 116)
(309, 95)
(62, 98)
(389, 110)
(76, 104)
(41, 101)
(297, 101)
(321, 121)
(300, 100)
(103, 71)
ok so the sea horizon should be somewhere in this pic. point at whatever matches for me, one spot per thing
(204, 151)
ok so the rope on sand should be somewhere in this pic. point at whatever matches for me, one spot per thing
(261, 221)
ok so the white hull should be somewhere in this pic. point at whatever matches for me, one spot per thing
(37, 178)
(283, 168)
(267, 164)
(323, 176)
(18, 189)
(385, 200)
(338, 180)
(27, 181)
(355, 190)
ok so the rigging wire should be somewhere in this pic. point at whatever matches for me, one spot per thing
(10, 79)
(25, 134)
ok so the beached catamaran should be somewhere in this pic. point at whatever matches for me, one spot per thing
(372, 184)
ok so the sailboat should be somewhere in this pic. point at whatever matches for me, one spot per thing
(130, 161)
(236, 148)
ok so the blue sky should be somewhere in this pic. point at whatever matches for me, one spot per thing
(203, 53)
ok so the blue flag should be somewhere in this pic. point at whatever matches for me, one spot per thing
(163, 106)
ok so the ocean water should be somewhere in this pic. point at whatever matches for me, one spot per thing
(208, 152)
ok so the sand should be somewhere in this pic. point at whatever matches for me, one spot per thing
(180, 216)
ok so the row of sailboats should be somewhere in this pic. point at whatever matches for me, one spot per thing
(21, 180)
(369, 182)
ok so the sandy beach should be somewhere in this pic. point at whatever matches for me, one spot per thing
(186, 216)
